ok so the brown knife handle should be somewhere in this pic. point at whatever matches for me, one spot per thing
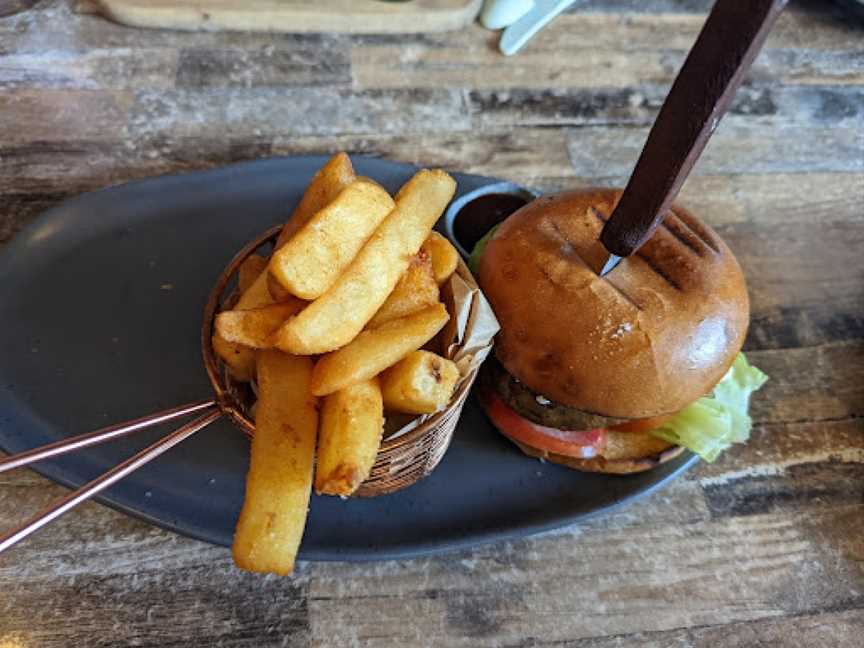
(729, 41)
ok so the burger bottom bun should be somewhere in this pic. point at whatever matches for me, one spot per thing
(625, 453)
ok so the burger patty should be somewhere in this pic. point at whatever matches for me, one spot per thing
(536, 407)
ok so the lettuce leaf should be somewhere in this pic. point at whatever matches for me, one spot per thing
(713, 423)
(477, 252)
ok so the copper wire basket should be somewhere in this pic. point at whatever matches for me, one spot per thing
(402, 460)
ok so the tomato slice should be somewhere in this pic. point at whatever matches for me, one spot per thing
(582, 444)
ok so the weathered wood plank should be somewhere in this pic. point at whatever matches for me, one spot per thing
(740, 145)
(272, 65)
(805, 287)
(811, 383)
(775, 144)
(838, 482)
(63, 115)
(775, 199)
(606, 50)
(774, 447)
(766, 105)
(700, 573)
(89, 69)
(38, 168)
(829, 630)
(198, 605)
(237, 112)
(735, 570)
(281, 65)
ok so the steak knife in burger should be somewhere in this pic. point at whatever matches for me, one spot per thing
(622, 315)
(619, 373)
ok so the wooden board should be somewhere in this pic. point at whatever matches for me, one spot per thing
(297, 16)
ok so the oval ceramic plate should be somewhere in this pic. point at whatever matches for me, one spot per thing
(101, 307)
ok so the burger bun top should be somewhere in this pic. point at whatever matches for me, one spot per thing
(652, 336)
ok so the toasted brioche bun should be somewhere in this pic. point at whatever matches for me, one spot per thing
(650, 338)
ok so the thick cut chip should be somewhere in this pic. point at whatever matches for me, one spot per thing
(338, 316)
(421, 383)
(444, 256)
(279, 482)
(239, 359)
(376, 349)
(308, 263)
(256, 296)
(416, 290)
(249, 270)
(352, 420)
(327, 183)
(255, 327)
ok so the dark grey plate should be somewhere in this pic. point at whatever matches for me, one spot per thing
(100, 308)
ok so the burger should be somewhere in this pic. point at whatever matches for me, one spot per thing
(613, 374)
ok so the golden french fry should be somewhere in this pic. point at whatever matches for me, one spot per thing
(239, 359)
(327, 183)
(256, 296)
(374, 350)
(277, 292)
(279, 482)
(311, 260)
(255, 291)
(420, 383)
(335, 318)
(255, 327)
(249, 270)
(416, 290)
(445, 258)
(352, 420)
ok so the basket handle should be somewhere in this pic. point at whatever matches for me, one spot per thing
(114, 475)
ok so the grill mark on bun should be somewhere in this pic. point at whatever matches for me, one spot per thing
(563, 236)
(684, 236)
(575, 252)
(696, 227)
(597, 214)
(572, 251)
(678, 234)
(648, 260)
(621, 292)
(688, 235)
(658, 270)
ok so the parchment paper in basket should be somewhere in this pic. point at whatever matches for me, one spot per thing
(467, 337)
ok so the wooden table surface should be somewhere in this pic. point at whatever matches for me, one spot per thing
(763, 548)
